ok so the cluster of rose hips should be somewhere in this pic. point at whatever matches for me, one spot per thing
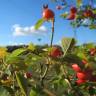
(83, 75)
(86, 13)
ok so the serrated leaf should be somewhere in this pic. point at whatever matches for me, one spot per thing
(22, 82)
(39, 23)
(67, 44)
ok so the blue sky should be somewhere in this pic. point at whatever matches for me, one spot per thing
(21, 15)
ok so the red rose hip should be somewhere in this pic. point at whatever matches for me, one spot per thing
(55, 52)
(48, 14)
(28, 75)
(58, 7)
(81, 75)
(76, 68)
(71, 16)
(80, 81)
(73, 10)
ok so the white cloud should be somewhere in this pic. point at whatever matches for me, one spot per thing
(15, 43)
(18, 30)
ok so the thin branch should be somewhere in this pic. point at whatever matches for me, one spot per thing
(44, 75)
(52, 32)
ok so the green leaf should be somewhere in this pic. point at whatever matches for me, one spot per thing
(81, 55)
(4, 92)
(39, 23)
(89, 45)
(31, 47)
(92, 26)
(22, 82)
(17, 62)
(67, 44)
(79, 3)
(33, 93)
(17, 52)
(14, 55)
(92, 91)
(64, 15)
(72, 58)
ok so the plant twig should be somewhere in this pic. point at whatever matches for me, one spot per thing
(44, 75)
(52, 32)
(48, 92)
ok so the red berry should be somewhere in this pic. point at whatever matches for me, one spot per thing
(55, 52)
(84, 61)
(88, 13)
(71, 16)
(58, 7)
(80, 81)
(73, 10)
(76, 68)
(27, 75)
(81, 75)
(92, 51)
(48, 14)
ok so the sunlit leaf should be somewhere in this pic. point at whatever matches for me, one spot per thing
(31, 47)
(39, 23)
(17, 52)
(67, 44)
(92, 26)
(64, 15)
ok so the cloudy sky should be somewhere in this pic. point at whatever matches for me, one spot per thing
(18, 17)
